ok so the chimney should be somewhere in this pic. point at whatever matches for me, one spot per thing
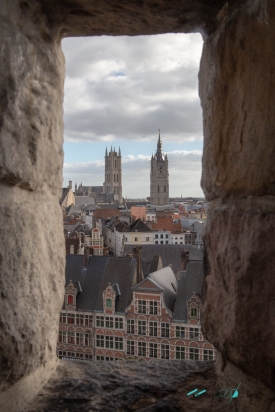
(86, 257)
(70, 184)
(137, 254)
(184, 259)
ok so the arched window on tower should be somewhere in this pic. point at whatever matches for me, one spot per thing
(165, 189)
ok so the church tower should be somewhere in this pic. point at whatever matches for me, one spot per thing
(113, 177)
(159, 177)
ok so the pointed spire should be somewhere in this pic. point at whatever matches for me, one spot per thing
(159, 152)
(119, 152)
(111, 148)
(106, 153)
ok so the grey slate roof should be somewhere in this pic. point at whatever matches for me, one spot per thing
(189, 283)
(166, 279)
(139, 226)
(101, 271)
(170, 254)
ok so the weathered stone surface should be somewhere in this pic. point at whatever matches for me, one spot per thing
(133, 17)
(31, 281)
(31, 96)
(236, 77)
(240, 284)
(153, 386)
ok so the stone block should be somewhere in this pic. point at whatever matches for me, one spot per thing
(238, 312)
(236, 82)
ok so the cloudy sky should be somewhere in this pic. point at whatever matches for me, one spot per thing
(119, 91)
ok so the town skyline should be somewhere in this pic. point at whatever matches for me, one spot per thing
(116, 98)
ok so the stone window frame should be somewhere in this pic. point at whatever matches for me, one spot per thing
(142, 327)
(118, 323)
(194, 353)
(118, 342)
(194, 333)
(153, 328)
(180, 353)
(153, 307)
(109, 322)
(165, 329)
(100, 321)
(141, 348)
(165, 351)
(142, 306)
(194, 312)
(131, 326)
(180, 332)
(153, 350)
(208, 354)
(130, 347)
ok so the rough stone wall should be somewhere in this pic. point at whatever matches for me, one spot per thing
(31, 158)
(237, 93)
(236, 89)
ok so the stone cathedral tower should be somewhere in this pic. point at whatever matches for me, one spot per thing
(159, 177)
(113, 177)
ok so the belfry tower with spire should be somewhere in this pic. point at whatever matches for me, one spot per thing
(159, 177)
(113, 174)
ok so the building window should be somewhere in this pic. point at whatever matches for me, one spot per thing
(153, 328)
(136, 239)
(100, 341)
(88, 339)
(142, 327)
(88, 356)
(156, 242)
(180, 332)
(109, 323)
(141, 348)
(108, 303)
(164, 351)
(166, 236)
(194, 333)
(161, 242)
(118, 323)
(147, 239)
(79, 338)
(70, 300)
(100, 358)
(130, 347)
(130, 326)
(63, 318)
(118, 343)
(193, 354)
(153, 307)
(194, 312)
(208, 354)
(71, 337)
(180, 352)
(156, 236)
(62, 336)
(141, 306)
(166, 242)
(153, 350)
(109, 342)
(165, 330)
(100, 321)
(161, 236)
(71, 318)
(79, 319)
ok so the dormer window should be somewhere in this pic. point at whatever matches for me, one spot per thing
(70, 300)
(108, 303)
(194, 312)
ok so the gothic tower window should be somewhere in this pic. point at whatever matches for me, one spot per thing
(108, 303)
(70, 300)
